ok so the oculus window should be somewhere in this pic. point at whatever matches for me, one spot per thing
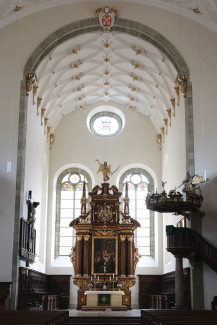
(106, 124)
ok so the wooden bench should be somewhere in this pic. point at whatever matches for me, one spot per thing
(178, 317)
(39, 289)
(158, 291)
(5, 295)
(24, 317)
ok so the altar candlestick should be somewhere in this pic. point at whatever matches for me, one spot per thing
(204, 175)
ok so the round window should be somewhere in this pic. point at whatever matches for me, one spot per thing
(74, 178)
(105, 124)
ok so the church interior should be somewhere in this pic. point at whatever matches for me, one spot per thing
(108, 166)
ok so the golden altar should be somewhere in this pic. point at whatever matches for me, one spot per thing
(104, 255)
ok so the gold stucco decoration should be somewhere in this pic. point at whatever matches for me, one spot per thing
(51, 140)
(159, 139)
(176, 88)
(169, 115)
(182, 82)
(34, 91)
(39, 100)
(30, 81)
(43, 110)
(172, 100)
(48, 132)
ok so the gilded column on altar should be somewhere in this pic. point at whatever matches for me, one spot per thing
(86, 255)
(130, 255)
(79, 254)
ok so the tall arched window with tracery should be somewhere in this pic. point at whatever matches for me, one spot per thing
(68, 207)
(139, 181)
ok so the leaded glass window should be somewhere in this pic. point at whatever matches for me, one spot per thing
(69, 193)
(138, 183)
(106, 124)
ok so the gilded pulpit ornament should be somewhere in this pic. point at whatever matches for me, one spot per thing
(107, 17)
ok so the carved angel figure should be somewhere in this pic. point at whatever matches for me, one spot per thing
(72, 255)
(190, 182)
(136, 257)
(105, 169)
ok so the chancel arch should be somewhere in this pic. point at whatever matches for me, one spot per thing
(49, 97)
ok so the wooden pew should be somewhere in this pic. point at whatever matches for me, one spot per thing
(5, 295)
(158, 291)
(39, 289)
(24, 317)
(178, 317)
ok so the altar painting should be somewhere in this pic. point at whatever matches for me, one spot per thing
(104, 255)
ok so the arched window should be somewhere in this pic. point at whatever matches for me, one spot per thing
(68, 206)
(138, 183)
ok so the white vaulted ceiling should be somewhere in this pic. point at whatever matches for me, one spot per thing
(110, 67)
(113, 68)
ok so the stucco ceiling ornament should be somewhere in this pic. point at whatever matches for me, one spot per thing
(107, 17)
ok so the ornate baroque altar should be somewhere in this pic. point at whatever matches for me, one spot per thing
(104, 256)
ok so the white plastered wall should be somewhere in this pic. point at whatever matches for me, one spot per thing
(181, 32)
(36, 180)
(174, 170)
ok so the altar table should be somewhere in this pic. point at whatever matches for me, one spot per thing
(104, 299)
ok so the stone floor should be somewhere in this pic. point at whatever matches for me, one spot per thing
(107, 313)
